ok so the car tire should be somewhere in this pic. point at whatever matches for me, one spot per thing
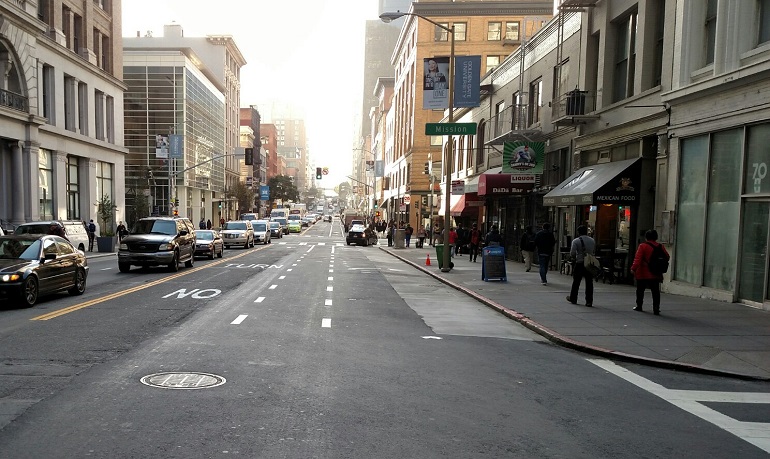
(124, 267)
(174, 265)
(213, 251)
(29, 292)
(219, 255)
(227, 246)
(189, 263)
(80, 282)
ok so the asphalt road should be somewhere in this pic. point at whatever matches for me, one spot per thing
(329, 351)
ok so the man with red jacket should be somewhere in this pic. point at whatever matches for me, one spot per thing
(644, 277)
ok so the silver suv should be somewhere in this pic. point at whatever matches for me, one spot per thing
(238, 232)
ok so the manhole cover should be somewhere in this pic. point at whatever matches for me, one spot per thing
(173, 380)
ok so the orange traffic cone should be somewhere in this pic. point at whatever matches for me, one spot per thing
(427, 260)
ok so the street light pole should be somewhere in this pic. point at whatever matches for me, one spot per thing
(388, 17)
(171, 185)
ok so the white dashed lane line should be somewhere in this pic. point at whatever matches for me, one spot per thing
(282, 277)
(330, 278)
(328, 303)
(272, 287)
(239, 319)
(326, 323)
(330, 289)
(260, 299)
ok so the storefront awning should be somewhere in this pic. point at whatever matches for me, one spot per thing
(610, 183)
(467, 205)
(494, 183)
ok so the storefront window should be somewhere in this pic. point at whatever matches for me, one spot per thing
(624, 229)
(756, 177)
(691, 210)
(723, 210)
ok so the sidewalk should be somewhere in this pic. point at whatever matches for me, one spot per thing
(692, 334)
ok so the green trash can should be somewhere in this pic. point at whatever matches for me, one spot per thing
(440, 256)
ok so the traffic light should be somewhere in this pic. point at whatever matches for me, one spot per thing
(176, 202)
(426, 169)
(149, 174)
(318, 173)
(248, 155)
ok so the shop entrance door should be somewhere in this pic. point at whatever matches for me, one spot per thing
(753, 285)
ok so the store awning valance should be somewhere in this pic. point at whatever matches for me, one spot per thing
(610, 183)
(494, 183)
(467, 205)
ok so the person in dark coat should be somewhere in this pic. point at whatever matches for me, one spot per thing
(544, 244)
(644, 277)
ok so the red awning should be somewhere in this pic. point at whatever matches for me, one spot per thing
(467, 205)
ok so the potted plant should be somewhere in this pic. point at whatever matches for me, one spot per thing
(105, 211)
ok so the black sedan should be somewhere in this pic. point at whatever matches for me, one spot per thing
(35, 265)
(208, 243)
(276, 230)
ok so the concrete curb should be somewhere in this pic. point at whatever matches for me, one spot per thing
(570, 343)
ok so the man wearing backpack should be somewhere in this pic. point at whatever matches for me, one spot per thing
(650, 263)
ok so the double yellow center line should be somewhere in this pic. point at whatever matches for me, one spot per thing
(112, 296)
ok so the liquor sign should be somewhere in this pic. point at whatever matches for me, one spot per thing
(458, 187)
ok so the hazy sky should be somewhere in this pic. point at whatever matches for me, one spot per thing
(309, 52)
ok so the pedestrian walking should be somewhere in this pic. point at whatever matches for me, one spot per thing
(390, 230)
(475, 241)
(221, 222)
(650, 262)
(208, 224)
(544, 243)
(527, 246)
(581, 245)
(91, 235)
(436, 234)
(493, 237)
(421, 234)
(202, 224)
(121, 230)
(408, 233)
(452, 241)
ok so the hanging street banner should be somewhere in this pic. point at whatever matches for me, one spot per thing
(524, 158)
(435, 85)
(176, 145)
(264, 193)
(379, 168)
(161, 146)
(467, 81)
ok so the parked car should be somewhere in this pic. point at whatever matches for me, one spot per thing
(328, 218)
(158, 241)
(295, 226)
(276, 230)
(357, 235)
(306, 222)
(209, 243)
(261, 231)
(74, 230)
(238, 232)
(34, 265)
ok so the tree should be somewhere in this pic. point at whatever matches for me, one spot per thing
(243, 195)
(313, 196)
(105, 211)
(282, 187)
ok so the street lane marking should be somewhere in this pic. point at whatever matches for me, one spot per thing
(260, 299)
(239, 319)
(328, 303)
(105, 269)
(310, 249)
(331, 270)
(756, 433)
(321, 243)
(330, 278)
(326, 323)
(282, 277)
(330, 289)
(288, 269)
(295, 264)
(272, 287)
(112, 296)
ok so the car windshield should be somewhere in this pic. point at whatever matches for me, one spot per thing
(294, 217)
(357, 228)
(282, 221)
(16, 249)
(207, 235)
(234, 226)
(166, 227)
(37, 228)
(260, 227)
(275, 225)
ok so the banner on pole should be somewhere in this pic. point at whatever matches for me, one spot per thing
(435, 88)
(467, 81)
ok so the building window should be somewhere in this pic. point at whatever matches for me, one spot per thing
(110, 118)
(99, 118)
(42, 10)
(70, 89)
(103, 180)
(764, 21)
(461, 31)
(512, 31)
(48, 94)
(45, 183)
(659, 32)
(83, 108)
(73, 191)
(535, 100)
(499, 121)
(625, 58)
(77, 32)
(441, 34)
(494, 31)
(710, 31)
(492, 62)
(106, 49)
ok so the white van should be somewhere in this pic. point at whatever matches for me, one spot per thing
(279, 213)
(73, 229)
